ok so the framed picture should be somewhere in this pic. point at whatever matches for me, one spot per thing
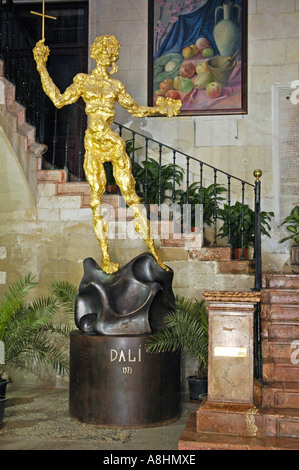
(198, 53)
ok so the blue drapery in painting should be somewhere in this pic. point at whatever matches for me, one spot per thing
(190, 27)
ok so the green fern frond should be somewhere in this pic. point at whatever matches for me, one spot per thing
(186, 330)
(27, 329)
(12, 299)
(63, 330)
(39, 348)
(163, 341)
(66, 293)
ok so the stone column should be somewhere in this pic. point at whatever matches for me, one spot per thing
(233, 394)
(231, 346)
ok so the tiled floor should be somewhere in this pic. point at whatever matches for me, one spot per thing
(31, 413)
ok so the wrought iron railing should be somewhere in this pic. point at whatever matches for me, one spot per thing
(16, 52)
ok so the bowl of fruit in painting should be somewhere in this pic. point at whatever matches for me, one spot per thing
(221, 68)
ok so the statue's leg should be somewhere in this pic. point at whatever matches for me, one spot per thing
(122, 172)
(96, 177)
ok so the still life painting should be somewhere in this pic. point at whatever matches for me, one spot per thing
(198, 54)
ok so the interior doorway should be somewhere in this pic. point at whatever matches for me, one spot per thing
(67, 38)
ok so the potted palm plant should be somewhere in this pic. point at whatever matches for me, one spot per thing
(159, 180)
(293, 228)
(186, 330)
(65, 293)
(236, 216)
(209, 197)
(27, 330)
(130, 148)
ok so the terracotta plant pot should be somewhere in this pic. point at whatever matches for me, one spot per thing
(111, 188)
(237, 253)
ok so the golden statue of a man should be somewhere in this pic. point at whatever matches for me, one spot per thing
(100, 92)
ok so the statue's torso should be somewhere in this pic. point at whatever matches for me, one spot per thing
(99, 95)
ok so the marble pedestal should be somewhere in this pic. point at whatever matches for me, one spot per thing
(233, 394)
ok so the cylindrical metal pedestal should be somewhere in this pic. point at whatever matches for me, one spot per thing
(114, 382)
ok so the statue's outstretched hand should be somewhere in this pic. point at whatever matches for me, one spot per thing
(40, 53)
(168, 106)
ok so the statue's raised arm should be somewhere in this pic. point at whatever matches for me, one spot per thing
(71, 94)
(41, 54)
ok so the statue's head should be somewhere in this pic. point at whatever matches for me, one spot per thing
(105, 51)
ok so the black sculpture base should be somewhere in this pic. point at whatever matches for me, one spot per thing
(133, 300)
(114, 382)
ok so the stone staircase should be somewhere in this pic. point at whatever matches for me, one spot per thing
(280, 334)
(273, 423)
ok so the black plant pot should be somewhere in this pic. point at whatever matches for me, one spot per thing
(2, 408)
(3, 383)
(198, 388)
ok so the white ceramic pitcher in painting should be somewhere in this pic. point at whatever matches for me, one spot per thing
(227, 31)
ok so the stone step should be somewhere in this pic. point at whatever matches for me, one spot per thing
(27, 131)
(280, 348)
(281, 422)
(17, 110)
(73, 188)
(211, 253)
(280, 370)
(192, 440)
(247, 420)
(221, 254)
(279, 329)
(280, 296)
(236, 267)
(113, 203)
(229, 418)
(10, 91)
(286, 313)
(114, 207)
(280, 281)
(281, 395)
(51, 176)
